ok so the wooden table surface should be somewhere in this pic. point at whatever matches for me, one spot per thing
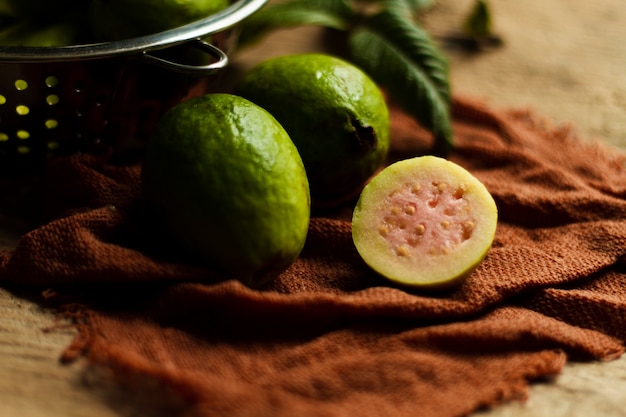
(563, 58)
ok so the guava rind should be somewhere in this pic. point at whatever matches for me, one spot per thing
(334, 113)
(40, 10)
(28, 33)
(124, 19)
(424, 222)
(227, 182)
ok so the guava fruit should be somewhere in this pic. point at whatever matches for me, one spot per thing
(29, 33)
(41, 10)
(124, 19)
(334, 113)
(424, 222)
(229, 185)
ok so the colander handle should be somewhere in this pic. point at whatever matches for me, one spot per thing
(213, 51)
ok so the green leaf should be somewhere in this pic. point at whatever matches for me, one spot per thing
(412, 5)
(417, 5)
(404, 61)
(335, 14)
(478, 22)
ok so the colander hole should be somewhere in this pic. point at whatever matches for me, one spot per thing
(21, 85)
(22, 110)
(79, 86)
(52, 81)
(52, 145)
(51, 124)
(23, 134)
(23, 150)
(3, 99)
(100, 100)
(3, 137)
(52, 99)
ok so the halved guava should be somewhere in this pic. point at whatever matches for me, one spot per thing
(424, 222)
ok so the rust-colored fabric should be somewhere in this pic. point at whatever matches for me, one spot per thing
(329, 337)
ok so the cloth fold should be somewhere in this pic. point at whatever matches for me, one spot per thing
(329, 337)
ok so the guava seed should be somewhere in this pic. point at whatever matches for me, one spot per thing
(405, 204)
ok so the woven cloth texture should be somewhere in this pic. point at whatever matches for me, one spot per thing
(329, 337)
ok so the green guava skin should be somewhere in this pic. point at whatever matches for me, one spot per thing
(125, 19)
(40, 10)
(424, 223)
(229, 185)
(28, 33)
(334, 113)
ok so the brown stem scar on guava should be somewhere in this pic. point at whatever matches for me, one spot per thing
(424, 222)
(365, 138)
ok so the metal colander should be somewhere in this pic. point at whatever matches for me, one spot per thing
(105, 98)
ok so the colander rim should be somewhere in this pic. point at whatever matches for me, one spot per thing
(217, 22)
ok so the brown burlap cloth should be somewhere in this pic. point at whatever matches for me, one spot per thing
(329, 337)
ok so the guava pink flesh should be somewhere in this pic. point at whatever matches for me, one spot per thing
(428, 218)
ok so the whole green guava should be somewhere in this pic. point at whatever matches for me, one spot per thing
(334, 113)
(229, 185)
(124, 19)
